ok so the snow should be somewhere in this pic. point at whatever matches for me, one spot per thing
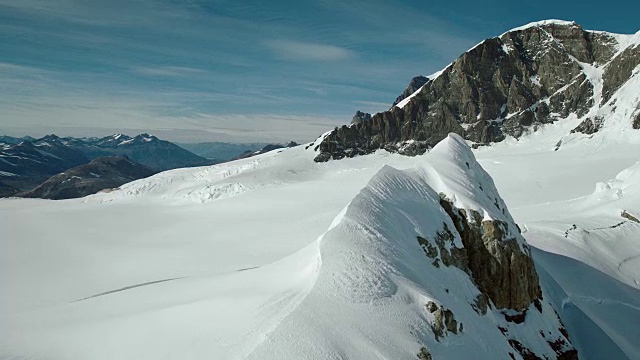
(535, 80)
(542, 23)
(48, 154)
(431, 78)
(257, 258)
(124, 142)
(437, 74)
(406, 100)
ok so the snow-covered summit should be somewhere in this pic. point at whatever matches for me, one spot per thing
(544, 23)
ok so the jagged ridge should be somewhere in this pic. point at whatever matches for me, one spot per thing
(505, 86)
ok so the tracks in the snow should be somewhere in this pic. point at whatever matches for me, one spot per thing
(146, 284)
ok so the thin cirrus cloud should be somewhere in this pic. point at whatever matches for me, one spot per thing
(168, 71)
(207, 69)
(308, 51)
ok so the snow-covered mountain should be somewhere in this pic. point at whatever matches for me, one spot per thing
(27, 162)
(103, 173)
(523, 249)
(221, 151)
(508, 86)
(144, 149)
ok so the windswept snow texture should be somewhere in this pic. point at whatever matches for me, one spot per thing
(307, 261)
(370, 295)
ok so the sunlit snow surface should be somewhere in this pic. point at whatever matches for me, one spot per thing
(272, 257)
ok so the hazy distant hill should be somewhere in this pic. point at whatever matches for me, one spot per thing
(27, 162)
(102, 173)
(220, 150)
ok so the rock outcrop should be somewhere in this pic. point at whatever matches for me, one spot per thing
(444, 320)
(505, 86)
(415, 84)
(360, 117)
(501, 266)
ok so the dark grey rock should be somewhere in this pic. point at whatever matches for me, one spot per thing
(360, 117)
(424, 354)
(444, 321)
(501, 269)
(415, 84)
(628, 216)
(619, 71)
(589, 126)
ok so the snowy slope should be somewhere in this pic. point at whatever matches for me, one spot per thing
(235, 255)
(184, 264)
(233, 260)
(370, 295)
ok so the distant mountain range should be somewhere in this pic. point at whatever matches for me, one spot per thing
(27, 162)
(55, 167)
(221, 151)
(265, 149)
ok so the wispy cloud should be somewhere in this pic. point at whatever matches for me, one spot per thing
(169, 71)
(211, 68)
(307, 51)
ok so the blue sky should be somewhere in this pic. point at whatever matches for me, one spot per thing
(199, 70)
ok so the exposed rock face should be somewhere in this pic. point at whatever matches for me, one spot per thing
(504, 272)
(589, 126)
(424, 354)
(507, 85)
(619, 70)
(415, 84)
(360, 117)
(444, 321)
(628, 216)
(481, 304)
(449, 255)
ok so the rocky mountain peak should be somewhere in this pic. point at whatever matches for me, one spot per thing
(360, 117)
(508, 85)
(415, 84)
